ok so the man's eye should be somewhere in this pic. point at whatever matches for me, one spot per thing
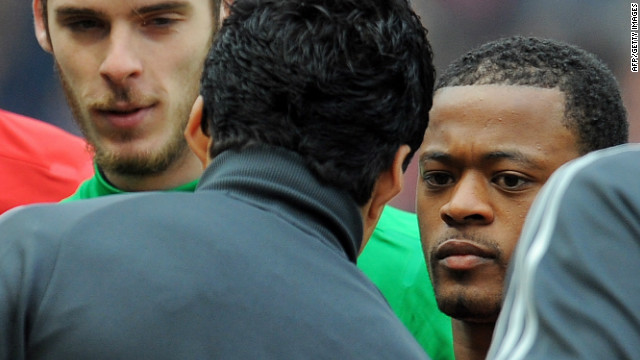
(511, 182)
(160, 21)
(84, 25)
(437, 178)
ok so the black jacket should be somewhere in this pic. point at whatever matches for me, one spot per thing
(258, 263)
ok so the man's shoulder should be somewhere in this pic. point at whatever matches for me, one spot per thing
(34, 133)
(601, 176)
(92, 218)
(57, 213)
(41, 152)
(620, 161)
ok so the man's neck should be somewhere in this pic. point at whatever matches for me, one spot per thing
(471, 341)
(183, 171)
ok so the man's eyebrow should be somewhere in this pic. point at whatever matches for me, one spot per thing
(66, 11)
(170, 5)
(439, 156)
(513, 155)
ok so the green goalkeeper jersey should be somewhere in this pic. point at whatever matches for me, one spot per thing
(394, 261)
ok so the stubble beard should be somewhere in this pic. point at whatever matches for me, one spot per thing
(464, 303)
(146, 163)
(465, 306)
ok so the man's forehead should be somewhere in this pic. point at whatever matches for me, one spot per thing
(496, 95)
(508, 105)
(491, 123)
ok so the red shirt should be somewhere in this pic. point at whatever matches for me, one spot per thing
(39, 162)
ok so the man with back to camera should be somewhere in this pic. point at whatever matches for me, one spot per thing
(130, 71)
(504, 117)
(259, 262)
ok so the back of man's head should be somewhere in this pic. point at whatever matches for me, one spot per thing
(344, 83)
(593, 106)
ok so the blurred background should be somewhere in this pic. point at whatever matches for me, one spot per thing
(29, 86)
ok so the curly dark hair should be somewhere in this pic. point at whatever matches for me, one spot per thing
(343, 83)
(593, 106)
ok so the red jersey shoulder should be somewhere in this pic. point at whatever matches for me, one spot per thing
(39, 162)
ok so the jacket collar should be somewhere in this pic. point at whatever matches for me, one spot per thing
(279, 181)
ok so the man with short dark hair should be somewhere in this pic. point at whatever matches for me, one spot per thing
(504, 117)
(309, 114)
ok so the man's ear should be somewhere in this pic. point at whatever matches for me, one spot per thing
(388, 185)
(224, 10)
(198, 141)
(40, 26)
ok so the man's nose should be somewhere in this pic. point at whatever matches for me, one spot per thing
(469, 202)
(121, 61)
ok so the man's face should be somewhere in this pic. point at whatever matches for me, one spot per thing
(131, 72)
(486, 153)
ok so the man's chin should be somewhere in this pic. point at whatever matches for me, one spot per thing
(470, 310)
(478, 319)
(140, 165)
(135, 168)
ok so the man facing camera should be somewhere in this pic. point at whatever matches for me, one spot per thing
(505, 116)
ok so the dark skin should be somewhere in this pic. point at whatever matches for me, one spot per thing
(486, 153)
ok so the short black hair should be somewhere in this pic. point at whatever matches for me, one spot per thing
(343, 83)
(594, 110)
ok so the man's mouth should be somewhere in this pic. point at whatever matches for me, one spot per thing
(462, 254)
(124, 117)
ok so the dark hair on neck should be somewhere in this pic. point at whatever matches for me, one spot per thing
(343, 83)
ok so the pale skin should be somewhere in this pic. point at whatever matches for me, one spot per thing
(388, 184)
(131, 71)
(486, 153)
